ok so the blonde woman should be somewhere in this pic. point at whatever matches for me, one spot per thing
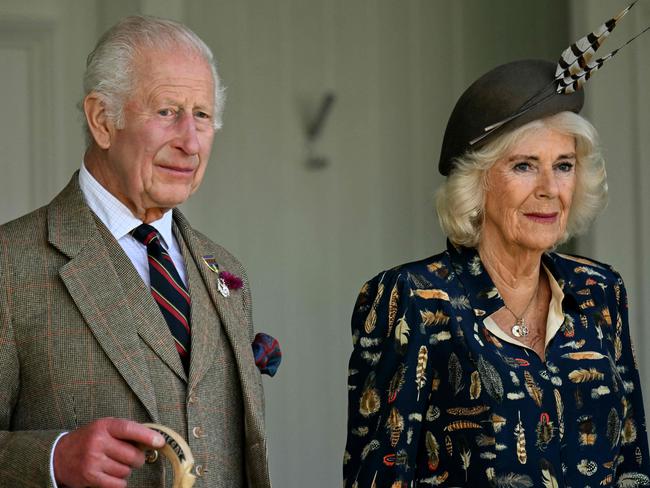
(499, 362)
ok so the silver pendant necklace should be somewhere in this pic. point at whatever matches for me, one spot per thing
(519, 328)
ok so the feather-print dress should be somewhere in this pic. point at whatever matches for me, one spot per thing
(436, 399)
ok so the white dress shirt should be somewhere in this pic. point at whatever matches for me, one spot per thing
(119, 220)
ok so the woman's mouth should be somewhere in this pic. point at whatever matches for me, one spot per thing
(543, 217)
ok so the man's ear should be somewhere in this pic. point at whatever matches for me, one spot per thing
(101, 127)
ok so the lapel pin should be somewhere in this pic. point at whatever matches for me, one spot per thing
(231, 281)
(225, 281)
(223, 288)
(211, 263)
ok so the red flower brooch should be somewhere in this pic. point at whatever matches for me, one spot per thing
(225, 281)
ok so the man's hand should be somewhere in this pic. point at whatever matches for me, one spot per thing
(102, 453)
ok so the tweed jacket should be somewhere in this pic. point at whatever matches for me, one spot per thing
(81, 339)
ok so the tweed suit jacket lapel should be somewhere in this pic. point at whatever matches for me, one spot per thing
(92, 281)
(235, 323)
(148, 321)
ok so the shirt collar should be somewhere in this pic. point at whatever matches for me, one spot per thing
(116, 216)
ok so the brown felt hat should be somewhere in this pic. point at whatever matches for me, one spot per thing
(523, 87)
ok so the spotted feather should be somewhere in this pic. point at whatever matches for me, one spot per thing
(548, 475)
(533, 389)
(461, 425)
(520, 436)
(395, 426)
(628, 433)
(490, 379)
(468, 411)
(513, 480)
(396, 383)
(560, 412)
(455, 373)
(583, 375)
(421, 369)
(393, 302)
(475, 385)
(632, 480)
(613, 427)
(433, 451)
(371, 319)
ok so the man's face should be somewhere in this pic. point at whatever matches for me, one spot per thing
(157, 160)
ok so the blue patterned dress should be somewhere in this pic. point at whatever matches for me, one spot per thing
(435, 399)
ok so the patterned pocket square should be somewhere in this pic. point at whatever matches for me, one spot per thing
(268, 355)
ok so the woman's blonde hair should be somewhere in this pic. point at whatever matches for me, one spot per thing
(460, 201)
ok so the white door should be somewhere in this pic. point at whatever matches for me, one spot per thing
(43, 45)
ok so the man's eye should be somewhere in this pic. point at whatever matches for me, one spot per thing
(202, 115)
(165, 112)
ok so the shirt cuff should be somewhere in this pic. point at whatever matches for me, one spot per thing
(56, 441)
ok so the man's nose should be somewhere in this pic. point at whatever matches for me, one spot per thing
(188, 137)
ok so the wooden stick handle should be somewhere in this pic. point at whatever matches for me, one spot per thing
(178, 452)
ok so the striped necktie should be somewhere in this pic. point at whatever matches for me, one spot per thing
(168, 290)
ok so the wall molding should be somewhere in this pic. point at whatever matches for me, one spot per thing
(35, 38)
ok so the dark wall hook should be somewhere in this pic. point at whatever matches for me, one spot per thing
(317, 124)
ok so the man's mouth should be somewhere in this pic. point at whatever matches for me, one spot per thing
(177, 169)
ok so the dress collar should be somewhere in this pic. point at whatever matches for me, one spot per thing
(481, 291)
(554, 264)
(479, 287)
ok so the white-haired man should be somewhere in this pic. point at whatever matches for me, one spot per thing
(113, 310)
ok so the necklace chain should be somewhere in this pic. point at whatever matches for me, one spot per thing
(519, 328)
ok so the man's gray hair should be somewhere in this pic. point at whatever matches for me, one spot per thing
(460, 201)
(110, 69)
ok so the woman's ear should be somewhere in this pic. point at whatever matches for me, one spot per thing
(99, 124)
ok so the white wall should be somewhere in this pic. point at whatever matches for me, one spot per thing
(311, 237)
(43, 46)
(618, 102)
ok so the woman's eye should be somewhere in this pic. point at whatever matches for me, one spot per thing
(565, 167)
(522, 166)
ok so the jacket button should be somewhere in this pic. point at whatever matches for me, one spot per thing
(151, 456)
(200, 470)
(191, 399)
(197, 432)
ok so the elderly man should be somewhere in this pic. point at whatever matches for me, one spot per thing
(113, 310)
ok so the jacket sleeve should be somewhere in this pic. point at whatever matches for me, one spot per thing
(24, 455)
(633, 459)
(387, 392)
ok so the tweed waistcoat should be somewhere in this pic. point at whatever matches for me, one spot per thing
(213, 430)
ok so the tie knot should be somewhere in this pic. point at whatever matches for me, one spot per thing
(145, 234)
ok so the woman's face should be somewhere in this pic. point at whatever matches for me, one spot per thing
(529, 193)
